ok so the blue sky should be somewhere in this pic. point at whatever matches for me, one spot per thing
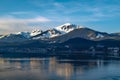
(26, 15)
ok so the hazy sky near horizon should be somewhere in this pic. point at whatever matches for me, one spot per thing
(26, 15)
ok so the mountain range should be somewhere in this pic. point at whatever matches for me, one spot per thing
(78, 37)
(60, 34)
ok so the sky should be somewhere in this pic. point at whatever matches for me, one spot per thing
(28, 15)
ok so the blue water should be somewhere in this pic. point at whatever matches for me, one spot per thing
(58, 69)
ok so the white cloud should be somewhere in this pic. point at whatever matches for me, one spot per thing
(59, 5)
(18, 27)
(10, 24)
(17, 20)
(21, 12)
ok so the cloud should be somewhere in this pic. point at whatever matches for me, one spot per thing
(42, 3)
(7, 28)
(59, 5)
(24, 14)
(17, 20)
(20, 12)
(11, 24)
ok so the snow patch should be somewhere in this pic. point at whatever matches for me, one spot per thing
(67, 27)
(25, 34)
(35, 32)
(99, 35)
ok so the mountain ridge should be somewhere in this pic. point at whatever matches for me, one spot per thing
(60, 34)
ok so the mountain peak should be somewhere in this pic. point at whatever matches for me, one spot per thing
(67, 27)
(36, 32)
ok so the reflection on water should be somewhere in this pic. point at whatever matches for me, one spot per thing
(56, 69)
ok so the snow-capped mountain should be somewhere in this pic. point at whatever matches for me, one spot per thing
(58, 31)
(39, 34)
(60, 34)
(24, 34)
(35, 32)
(66, 28)
(47, 34)
(21, 36)
(73, 31)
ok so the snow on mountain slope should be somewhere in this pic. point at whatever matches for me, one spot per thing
(47, 34)
(85, 33)
(25, 34)
(14, 38)
(36, 32)
(99, 35)
(1, 36)
(20, 35)
(53, 33)
(67, 27)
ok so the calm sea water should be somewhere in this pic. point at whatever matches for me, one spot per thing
(58, 69)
